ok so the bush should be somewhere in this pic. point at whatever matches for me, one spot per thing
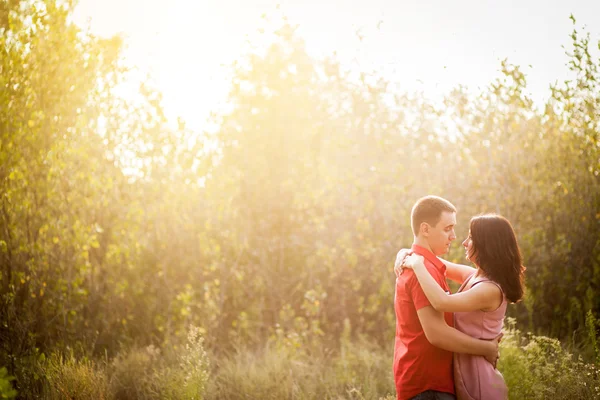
(537, 367)
(132, 374)
(181, 373)
(6, 389)
(74, 379)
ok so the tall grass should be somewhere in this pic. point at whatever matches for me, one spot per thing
(300, 366)
(175, 372)
(534, 367)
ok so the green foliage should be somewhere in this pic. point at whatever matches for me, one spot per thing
(592, 325)
(538, 367)
(6, 389)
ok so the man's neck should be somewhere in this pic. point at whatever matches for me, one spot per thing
(419, 241)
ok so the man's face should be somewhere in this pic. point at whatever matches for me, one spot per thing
(440, 236)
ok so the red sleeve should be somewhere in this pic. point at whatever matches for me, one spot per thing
(417, 294)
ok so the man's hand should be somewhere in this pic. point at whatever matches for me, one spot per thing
(494, 355)
(398, 265)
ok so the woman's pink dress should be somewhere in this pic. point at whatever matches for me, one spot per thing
(474, 377)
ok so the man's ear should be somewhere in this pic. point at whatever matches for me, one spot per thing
(424, 229)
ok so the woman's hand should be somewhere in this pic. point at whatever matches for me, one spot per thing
(402, 254)
(414, 261)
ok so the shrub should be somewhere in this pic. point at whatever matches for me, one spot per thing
(538, 367)
(6, 389)
(69, 378)
(179, 372)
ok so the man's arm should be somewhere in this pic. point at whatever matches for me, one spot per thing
(457, 272)
(439, 334)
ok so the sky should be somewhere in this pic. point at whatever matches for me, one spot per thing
(428, 45)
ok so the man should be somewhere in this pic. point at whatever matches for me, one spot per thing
(425, 338)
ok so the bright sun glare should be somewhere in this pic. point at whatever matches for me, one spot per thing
(182, 45)
(186, 45)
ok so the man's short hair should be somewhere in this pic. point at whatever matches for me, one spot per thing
(429, 209)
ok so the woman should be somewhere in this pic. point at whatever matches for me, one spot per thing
(479, 306)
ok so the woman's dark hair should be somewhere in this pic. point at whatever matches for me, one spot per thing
(496, 252)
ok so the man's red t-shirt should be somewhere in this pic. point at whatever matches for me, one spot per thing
(418, 365)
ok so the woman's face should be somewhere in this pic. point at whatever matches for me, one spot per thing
(469, 249)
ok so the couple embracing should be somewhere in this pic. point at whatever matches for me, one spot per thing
(447, 344)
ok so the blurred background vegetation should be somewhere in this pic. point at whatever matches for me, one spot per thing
(255, 261)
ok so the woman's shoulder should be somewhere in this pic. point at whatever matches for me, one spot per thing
(492, 290)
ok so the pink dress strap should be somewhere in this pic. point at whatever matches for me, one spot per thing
(490, 281)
